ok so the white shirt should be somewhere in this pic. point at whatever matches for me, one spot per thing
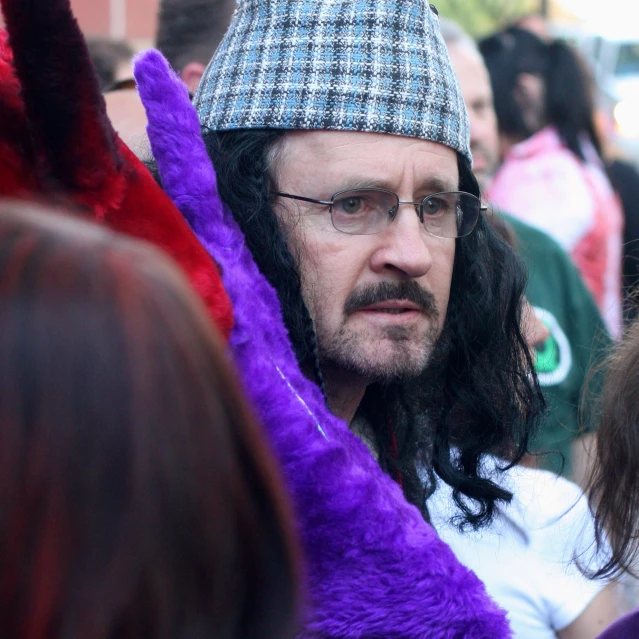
(526, 556)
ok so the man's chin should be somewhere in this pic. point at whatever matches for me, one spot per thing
(385, 362)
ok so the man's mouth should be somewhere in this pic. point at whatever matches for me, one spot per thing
(392, 303)
(392, 307)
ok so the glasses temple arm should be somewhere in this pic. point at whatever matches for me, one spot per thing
(303, 199)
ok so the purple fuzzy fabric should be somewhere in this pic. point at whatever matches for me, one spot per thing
(375, 569)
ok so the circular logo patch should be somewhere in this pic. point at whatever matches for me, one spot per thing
(554, 357)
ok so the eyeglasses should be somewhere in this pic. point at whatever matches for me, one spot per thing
(368, 211)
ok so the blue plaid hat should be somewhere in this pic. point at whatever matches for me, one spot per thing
(349, 65)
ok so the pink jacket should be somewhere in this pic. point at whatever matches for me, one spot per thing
(544, 184)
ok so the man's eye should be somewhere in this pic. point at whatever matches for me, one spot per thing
(350, 205)
(434, 206)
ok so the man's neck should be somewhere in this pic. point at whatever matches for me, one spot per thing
(344, 392)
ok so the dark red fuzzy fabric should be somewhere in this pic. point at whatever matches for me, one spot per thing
(16, 178)
(54, 130)
(62, 98)
(157, 220)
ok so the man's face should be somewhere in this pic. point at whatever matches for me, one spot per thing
(378, 301)
(478, 95)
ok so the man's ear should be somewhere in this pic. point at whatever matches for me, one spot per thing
(192, 74)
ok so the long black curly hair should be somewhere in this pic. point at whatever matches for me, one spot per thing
(479, 393)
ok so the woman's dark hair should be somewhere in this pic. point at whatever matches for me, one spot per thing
(488, 399)
(137, 496)
(568, 100)
(613, 486)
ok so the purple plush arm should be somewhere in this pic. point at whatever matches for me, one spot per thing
(374, 567)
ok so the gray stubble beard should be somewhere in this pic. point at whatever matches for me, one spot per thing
(409, 358)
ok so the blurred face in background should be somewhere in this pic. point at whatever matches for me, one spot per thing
(478, 95)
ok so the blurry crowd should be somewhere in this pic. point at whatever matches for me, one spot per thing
(161, 479)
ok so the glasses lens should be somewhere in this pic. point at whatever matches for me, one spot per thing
(450, 214)
(363, 211)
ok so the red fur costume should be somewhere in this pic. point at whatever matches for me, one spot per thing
(56, 143)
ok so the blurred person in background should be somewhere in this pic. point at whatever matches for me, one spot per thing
(614, 485)
(623, 176)
(112, 61)
(188, 33)
(625, 180)
(137, 495)
(577, 336)
(534, 22)
(552, 175)
(525, 557)
(127, 115)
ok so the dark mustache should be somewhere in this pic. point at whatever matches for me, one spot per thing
(408, 290)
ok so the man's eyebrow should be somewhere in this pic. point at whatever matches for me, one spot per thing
(437, 184)
(431, 184)
(355, 183)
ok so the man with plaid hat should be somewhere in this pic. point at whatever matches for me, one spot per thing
(341, 143)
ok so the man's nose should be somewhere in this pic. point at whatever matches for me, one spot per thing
(404, 247)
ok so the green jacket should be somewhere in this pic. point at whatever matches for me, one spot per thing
(567, 361)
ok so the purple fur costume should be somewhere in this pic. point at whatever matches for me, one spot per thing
(374, 568)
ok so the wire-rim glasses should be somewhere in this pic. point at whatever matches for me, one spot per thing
(368, 211)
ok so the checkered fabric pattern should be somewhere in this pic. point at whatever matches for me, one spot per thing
(349, 65)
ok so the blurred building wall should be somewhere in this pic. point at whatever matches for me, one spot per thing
(132, 20)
